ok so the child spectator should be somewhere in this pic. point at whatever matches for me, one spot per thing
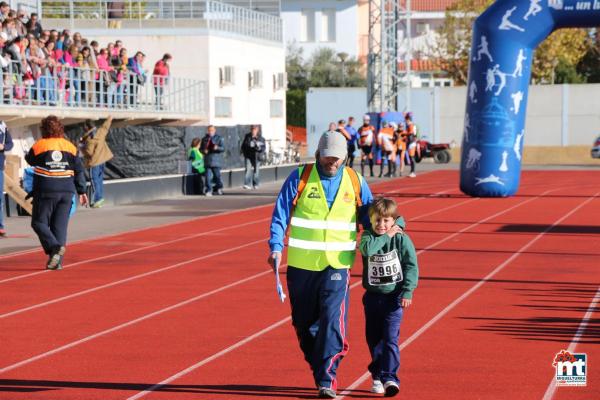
(197, 159)
(390, 275)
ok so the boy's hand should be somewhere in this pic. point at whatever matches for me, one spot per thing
(393, 231)
(406, 303)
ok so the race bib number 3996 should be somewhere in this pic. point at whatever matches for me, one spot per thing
(384, 269)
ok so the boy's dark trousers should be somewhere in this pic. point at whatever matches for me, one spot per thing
(50, 218)
(319, 302)
(383, 315)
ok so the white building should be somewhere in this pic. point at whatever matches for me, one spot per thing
(313, 24)
(239, 53)
(344, 26)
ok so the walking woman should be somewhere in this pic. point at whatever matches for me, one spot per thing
(58, 175)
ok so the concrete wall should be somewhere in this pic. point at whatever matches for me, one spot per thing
(325, 105)
(557, 115)
(346, 24)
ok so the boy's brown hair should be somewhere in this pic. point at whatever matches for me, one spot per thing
(382, 207)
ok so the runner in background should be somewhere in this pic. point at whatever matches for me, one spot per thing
(366, 139)
(385, 141)
(352, 142)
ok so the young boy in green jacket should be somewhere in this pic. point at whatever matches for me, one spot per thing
(390, 275)
(197, 159)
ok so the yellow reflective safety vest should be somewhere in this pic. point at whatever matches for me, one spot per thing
(319, 236)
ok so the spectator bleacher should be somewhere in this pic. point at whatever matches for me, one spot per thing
(53, 68)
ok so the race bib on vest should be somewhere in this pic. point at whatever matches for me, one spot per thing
(384, 269)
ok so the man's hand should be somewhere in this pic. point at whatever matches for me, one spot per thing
(83, 199)
(272, 257)
(393, 231)
(406, 303)
(1, 147)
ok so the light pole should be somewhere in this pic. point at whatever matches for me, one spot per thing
(343, 57)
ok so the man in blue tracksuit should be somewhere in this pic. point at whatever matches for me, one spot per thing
(6, 144)
(322, 202)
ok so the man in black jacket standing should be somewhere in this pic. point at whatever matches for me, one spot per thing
(212, 146)
(252, 146)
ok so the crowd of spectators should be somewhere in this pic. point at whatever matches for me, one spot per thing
(50, 67)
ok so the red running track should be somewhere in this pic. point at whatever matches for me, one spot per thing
(189, 310)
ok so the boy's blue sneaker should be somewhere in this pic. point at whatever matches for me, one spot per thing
(391, 388)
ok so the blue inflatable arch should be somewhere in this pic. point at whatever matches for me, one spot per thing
(504, 38)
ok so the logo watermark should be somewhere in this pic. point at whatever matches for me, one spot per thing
(571, 369)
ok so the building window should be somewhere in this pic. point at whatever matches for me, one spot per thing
(276, 108)
(328, 25)
(226, 76)
(307, 25)
(223, 107)
(422, 28)
(278, 81)
(255, 79)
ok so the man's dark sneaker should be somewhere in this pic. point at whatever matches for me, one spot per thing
(55, 258)
(326, 393)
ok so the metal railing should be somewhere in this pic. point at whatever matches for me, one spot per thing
(63, 86)
(153, 14)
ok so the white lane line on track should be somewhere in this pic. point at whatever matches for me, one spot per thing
(188, 237)
(129, 323)
(143, 248)
(167, 224)
(461, 298)
(129, 279)
(147, 228)
(573, 345)
(256, 335)
(132, 322)
(169, 267)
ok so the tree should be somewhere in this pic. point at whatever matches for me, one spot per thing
(325, 68)
(295, 67)
(589, 65)
(455, 36)
(564, 48)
